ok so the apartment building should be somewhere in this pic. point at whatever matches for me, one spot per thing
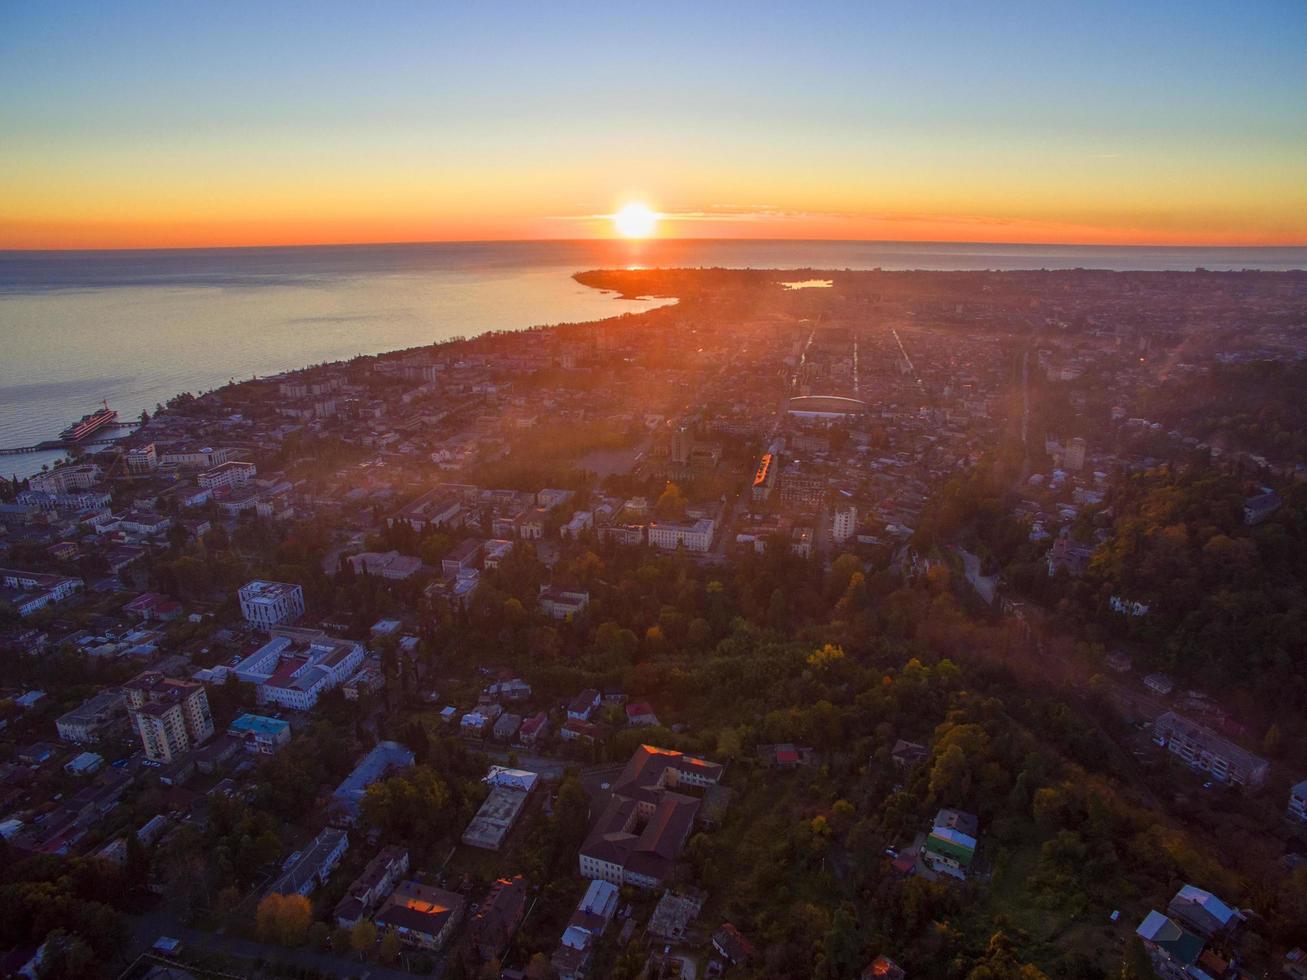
(30, 592)
(269, 604)
(93, 719)
(1204, 750)
(169, 715)
(227, 476)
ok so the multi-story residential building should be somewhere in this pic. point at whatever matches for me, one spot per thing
(1074, 460)
(692, 537)
(311, 867)
(203, 458)
(369, 888)
(844, 525)
(141, 460)
(1297, 809)
(29, 592)
(65, 479)
(227, 476)
(423, 915)
(269, 604)
(170, 715)
(640, 834)
(800, 489)
(1203, 749)
(92, 720)
(764, 477)
(296, 666)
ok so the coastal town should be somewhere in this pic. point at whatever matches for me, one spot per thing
(675, 645)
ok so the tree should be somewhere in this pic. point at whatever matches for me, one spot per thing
(390, 947)
(362, 937)
(136, 864)
(283, 918)
(341, 940)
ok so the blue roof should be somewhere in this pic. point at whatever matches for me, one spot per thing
(259, 725)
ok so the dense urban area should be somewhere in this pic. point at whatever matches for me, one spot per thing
(821, 624)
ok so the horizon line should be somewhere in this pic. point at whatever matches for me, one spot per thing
(642, 241)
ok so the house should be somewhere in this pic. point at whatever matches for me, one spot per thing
(492, 927)
(580, 731)
(510, 690)
(1204, 750)
(297, 666)
(908, 755)
(950, 846)
(576, 948)
(1297, 809)
(152, 607)
(640, 714)
(1118, 661)
(583, 705)
(424, 916)
(369, 888)
(1172, 948)
(1202, 912)
(84, 764)
(883, 968)
(731, 945)
(1259, 508)
(1159, 684)
(641, 832)
(259, 734)
(30, 592)
(533, 729)
(305, 870)
(506, 727)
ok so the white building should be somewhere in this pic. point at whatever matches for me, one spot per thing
(227, 476)
(691, 537)
(297, 666)
(845, 523)
(269, 604)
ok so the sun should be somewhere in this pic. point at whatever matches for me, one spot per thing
(635, 220)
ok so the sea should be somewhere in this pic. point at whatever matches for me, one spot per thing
(133, 328)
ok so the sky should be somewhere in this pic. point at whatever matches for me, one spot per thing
(186, 123)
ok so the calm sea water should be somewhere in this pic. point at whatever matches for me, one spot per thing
(136, 327)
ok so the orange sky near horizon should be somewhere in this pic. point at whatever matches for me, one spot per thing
(73, 234)
(146, 123)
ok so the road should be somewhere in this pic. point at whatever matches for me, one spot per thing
(164, 922)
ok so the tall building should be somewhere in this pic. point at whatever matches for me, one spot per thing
(682, 443)
(845, 523)
(269, 604)
(1075, 455)
(169, 715)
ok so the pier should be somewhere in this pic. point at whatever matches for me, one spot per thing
(56, 444)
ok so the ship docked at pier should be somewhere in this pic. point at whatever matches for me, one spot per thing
(94, 422)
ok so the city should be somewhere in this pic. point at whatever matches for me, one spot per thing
(480, 657)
